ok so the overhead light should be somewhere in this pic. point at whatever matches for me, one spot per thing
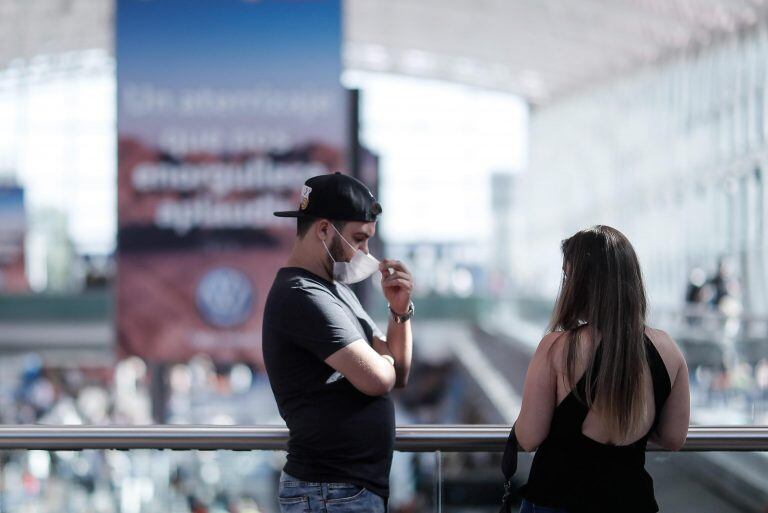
(465, 68)
(417, 62)
(531, 79)
(368, 56)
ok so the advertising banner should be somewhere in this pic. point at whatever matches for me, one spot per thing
(225, 108)
(13, 230)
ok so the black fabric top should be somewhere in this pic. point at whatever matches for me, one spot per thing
(337, 433)
(574, 472)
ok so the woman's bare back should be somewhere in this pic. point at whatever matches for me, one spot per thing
(595, 424)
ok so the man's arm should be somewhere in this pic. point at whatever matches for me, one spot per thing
(399, 347)
(397, 285)
(368, 371)
(325, 329)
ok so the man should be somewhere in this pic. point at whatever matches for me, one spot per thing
(329, 366)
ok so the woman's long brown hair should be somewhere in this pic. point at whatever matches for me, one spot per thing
(603, 287)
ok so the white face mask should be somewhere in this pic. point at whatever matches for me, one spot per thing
(360, 267)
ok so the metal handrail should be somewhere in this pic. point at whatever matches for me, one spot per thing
(416, 438)
(707, 312)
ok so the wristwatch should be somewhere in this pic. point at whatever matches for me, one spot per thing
(401, 318)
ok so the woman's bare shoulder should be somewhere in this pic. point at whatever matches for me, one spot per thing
(668, 349)
(555, 344)
(549, 346)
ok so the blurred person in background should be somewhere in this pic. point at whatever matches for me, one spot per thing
(698, 294)
(330, 367)
(600, 385)
(761, 379)
(694, 292)
(726, 296)
(725, 284)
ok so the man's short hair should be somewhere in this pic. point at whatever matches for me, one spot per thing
(303, 224)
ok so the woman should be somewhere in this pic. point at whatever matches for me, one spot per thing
(600, 385)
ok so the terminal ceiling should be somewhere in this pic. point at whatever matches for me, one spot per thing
(539, 49)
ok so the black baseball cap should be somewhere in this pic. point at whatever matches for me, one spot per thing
(336, 197)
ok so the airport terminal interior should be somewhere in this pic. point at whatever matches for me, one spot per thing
(144, 145)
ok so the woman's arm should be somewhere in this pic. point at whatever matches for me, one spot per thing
(539, 396)
(675, 416)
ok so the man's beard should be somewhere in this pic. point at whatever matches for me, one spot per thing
(336, 249)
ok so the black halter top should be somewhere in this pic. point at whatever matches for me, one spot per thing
(576, 473)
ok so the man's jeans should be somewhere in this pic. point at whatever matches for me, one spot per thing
(296, 496)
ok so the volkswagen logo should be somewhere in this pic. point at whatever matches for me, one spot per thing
(225, 297)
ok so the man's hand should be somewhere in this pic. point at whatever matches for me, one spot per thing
(397, 283)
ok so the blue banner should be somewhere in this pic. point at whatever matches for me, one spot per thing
(225, 107)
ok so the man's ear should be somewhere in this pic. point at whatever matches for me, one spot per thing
(322, 228)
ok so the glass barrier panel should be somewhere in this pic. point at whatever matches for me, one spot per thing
(685, 482)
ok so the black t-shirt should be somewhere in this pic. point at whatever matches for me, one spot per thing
(337, 433)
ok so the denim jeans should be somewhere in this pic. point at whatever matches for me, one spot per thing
(296, 496)
(529, 507)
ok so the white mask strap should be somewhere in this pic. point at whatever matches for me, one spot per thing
(326, 250)
(342, 238)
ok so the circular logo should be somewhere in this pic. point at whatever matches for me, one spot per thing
(225, 297)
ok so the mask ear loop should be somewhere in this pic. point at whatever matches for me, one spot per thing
(345, 240)
(326, 250)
